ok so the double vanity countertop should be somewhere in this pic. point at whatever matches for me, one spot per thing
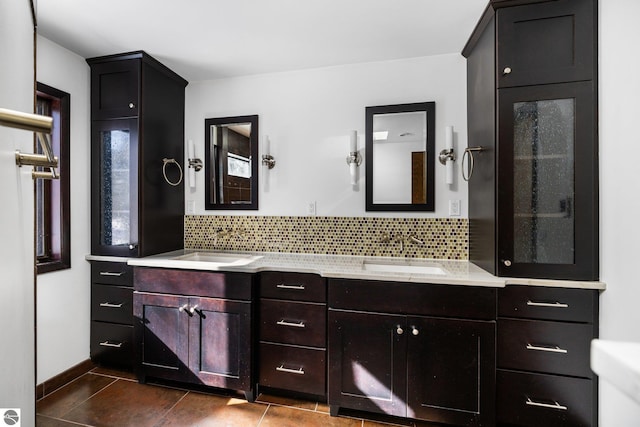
(416, 270)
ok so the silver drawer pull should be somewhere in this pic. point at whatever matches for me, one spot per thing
(555, 405)
(555, 349)
(110, 305)
(293, 324)
(291, 287)
(108, 344)
(111, 273)
(548, 304)
(299, 371)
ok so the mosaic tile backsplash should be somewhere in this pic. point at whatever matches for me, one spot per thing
(443, 238)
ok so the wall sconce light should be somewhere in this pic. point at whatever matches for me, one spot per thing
(447, 156)
(267, 159)
(195, 164)
(353, 159)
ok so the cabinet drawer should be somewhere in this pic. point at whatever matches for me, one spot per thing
(293, 368)
(544, 400)
(536, 302)
(293, 323)
(293, 286)
(111, 273)
(236, 286)
(473, 302)
(541, 346)
(112, 344)
(112, 304)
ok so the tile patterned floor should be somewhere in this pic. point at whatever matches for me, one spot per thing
(106, 398)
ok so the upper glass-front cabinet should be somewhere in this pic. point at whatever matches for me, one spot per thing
(546, 202)
(117, 215)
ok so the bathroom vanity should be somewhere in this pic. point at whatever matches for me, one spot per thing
(434, 340)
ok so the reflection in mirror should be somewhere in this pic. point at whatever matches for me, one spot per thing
(400, 157)
(231, 166)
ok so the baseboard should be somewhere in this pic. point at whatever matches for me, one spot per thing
(54, 383)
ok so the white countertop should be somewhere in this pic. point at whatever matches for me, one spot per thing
(618, 363)
(349, 267)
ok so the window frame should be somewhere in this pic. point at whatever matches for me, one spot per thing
(58, 245)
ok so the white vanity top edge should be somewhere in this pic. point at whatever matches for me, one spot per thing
(458, 272)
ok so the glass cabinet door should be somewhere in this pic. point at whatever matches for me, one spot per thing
(546, 202)
(115, 194)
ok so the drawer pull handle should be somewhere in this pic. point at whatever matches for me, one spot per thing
(555, 405)
(291, 287)
(109, 344)
(547, 304)
(299, 371)
(110, 305)
(555, 349)
(292, 324)
(111, 273)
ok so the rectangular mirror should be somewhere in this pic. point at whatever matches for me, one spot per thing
(231, 163)
(400, 157)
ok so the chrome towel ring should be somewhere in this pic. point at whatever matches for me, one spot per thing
(165, 162)
(468, 153)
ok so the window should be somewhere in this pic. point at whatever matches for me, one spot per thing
(53, 246)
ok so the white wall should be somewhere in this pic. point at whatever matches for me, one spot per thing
(63, 297)
(17, 387)
(619, 191)
(308, 115)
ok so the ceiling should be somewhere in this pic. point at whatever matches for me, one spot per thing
(209, 39)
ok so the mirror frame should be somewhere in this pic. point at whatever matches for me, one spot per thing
(211, 169)
(430, 109)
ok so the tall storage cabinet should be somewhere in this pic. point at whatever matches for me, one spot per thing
(137, 121)
(532, 107)
(137, 113)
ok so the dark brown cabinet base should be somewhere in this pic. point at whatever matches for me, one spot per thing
(408, 362)
(194, 335)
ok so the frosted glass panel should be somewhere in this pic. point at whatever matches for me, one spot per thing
(544, 182)
(116, 205)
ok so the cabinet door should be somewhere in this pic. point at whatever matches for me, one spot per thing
(547, 169)
(114, 188)
(367, 369)
(162, 335)
(115, 89)
(220, 342)
(545, 43)
(451, 371)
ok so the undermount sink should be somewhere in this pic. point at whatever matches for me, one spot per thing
(394, 267)
(219, 258)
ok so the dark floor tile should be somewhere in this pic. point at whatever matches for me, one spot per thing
(281, 416)
(322, 407)
(126, 403)
(43, 421)
(287, 401)
(73, 394)
(114, 373)
(203, 410)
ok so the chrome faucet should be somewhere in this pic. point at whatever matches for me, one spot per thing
(401, 239)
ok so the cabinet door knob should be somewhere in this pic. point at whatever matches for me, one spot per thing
(414, 330)
(507, 70)
(132, 105)
(399, 330)
(507, 263)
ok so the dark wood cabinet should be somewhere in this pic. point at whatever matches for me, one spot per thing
(551, 42)
(543, 347)
(137, 117)
(532, 109)
(194, 334)
(293, 338)
(413, 363)
(111, 341)
(115, 88)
